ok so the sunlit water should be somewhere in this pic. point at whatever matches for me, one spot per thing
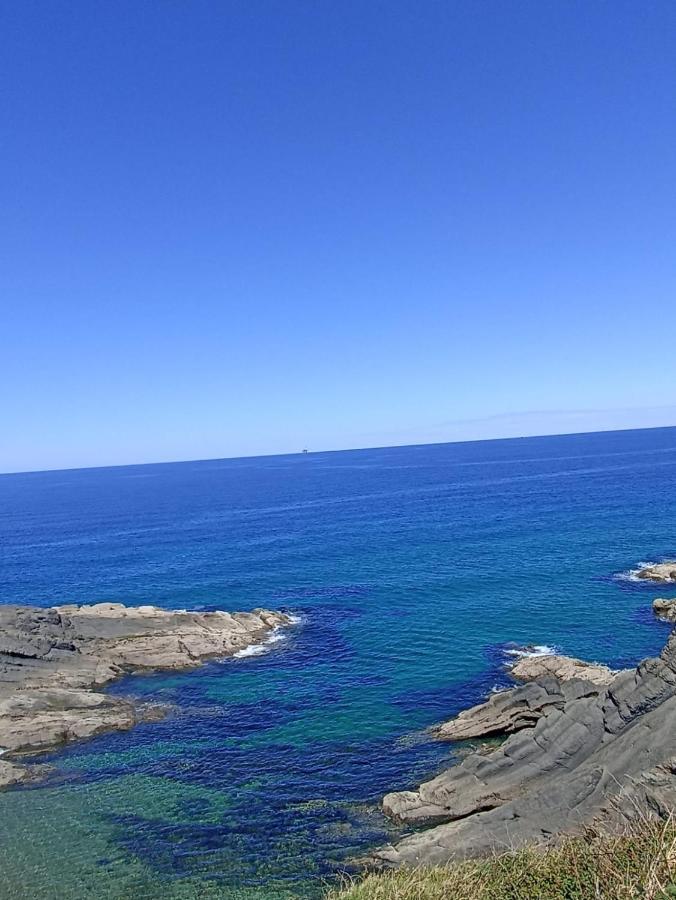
(409, 569)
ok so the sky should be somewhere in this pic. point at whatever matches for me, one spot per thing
(236, 228)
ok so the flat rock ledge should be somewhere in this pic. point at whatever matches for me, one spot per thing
(54, 661)
(576, 752)
(664, 572)
(563, 668)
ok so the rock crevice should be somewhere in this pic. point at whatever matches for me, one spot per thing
(576, 751)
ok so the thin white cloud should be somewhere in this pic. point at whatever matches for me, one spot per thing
(526, 423)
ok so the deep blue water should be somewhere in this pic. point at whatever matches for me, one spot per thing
(409, 567)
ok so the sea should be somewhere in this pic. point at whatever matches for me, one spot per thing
(413, 573)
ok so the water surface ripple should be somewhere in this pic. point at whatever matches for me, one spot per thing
(409, 568)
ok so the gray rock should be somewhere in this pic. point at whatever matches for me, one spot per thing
(511, 710)
(52, 659)
(530, 668)
(12, 774)
(664, 572)
(665, 609)
(604, 753)
(504, 712)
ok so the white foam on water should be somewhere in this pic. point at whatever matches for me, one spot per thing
(532, 651)
(252, 650)
(276, 635)
(632, 574)
(265, 646)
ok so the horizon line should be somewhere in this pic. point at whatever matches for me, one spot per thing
(176, 462)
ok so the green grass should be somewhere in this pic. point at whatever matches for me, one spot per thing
(641, 863)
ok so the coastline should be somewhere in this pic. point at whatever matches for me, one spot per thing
(581, 745)
(54, 662)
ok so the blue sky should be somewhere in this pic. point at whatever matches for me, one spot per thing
(233, 228)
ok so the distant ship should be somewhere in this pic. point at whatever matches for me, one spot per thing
(304, 450)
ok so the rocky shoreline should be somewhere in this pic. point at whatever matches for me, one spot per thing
(582, 744)
(505, 712)
(665, 609)
(54, 661)
(663, 573)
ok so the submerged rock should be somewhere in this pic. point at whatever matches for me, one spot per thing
(52, 659)
(595, 753)
(663, 572)
(12, 774)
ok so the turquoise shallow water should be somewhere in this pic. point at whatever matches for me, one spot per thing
(409, 568)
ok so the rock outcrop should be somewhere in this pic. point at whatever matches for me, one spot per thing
(53, 660)
(594, 752)
(564, 668)
(665, 609)
(664, 572)
(504, 712)
(511, 710)
(12, 774)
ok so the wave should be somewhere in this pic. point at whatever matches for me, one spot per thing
(252, 650)
(531, 650)
(278, 634)
(632, 574)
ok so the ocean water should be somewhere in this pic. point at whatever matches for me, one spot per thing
(411, 571)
